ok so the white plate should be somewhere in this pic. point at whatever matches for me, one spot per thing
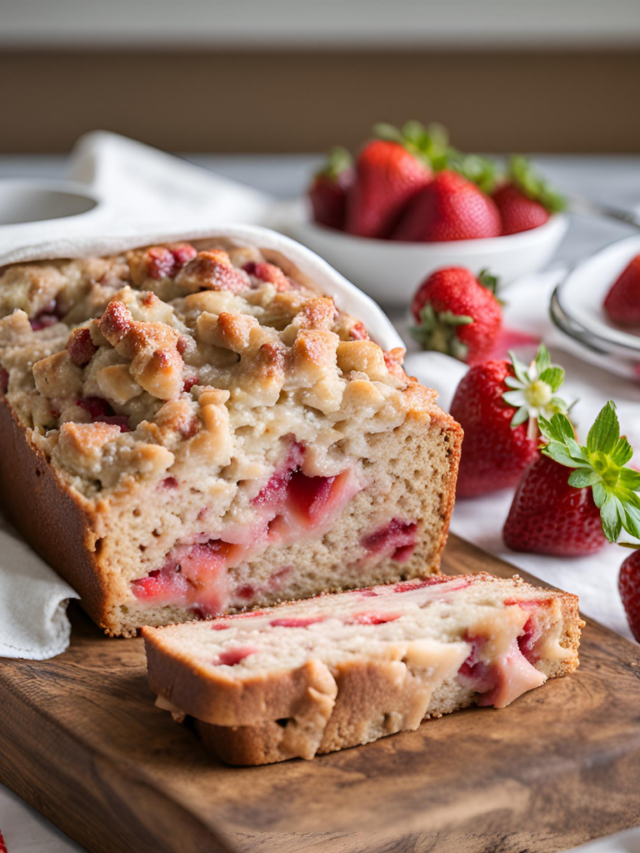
(391, 271)
(581, 295)
(589, 348)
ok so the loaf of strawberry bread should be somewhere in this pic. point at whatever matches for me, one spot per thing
(194, 429)
(340, 670)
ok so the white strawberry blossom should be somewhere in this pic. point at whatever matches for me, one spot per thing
(533, 393)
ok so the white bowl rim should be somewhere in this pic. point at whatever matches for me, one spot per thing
(556, 222)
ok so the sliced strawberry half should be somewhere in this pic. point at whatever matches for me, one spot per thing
(296, 621)
(372, 618)
(192, 576)
(398, 539)
(232, 657)
(101, 412)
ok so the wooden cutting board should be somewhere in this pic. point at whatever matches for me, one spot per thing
(81, 740)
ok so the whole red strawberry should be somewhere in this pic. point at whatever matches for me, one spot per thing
(548, 516)
(449, 208)
(573, 498)
(389, 173)
(629, 587)
(517, 211)
(500, 437)
(457, 314)
(3, 848)
(525, 201)
(328, 191)
(622, 303)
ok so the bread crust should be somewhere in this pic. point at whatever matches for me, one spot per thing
(455, 436)
(56, 520)
(370, 704)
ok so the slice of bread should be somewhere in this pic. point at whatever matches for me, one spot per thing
(339, 670)
(194, 429)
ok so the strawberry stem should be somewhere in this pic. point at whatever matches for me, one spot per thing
(491, 282)
(338, 161)
(429, 144)
(533, 185)
(437, 331)
(479, 170)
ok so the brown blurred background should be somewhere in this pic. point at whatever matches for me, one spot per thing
(290, 76)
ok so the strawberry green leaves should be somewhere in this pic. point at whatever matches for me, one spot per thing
(479, 170)
(338, 161)
(534, 389)
(437, 331)
(529, 182)
(605, 433)
(491, 282)
(430, 144)
(600, 464)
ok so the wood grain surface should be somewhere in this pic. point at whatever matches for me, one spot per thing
(81, 740)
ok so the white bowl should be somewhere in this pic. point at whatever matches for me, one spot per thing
(581, 296)
(390, 271)
(24, 201)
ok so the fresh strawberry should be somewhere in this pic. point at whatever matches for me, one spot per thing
(623, 300)
(3, 848)
(548, 516)
(389, 173)
(629, 587)
(517, 211)
(525, 201)
(449, 208)
(328, 191)
(497, 404)
(574, 514)
(457, 314)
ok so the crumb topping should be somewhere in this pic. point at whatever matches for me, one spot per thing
(170, 360)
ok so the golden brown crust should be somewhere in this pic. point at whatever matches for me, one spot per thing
(56, 521)
(453, 435)
(219, 700)
(573, 623)
(371, 703)
(243, 746)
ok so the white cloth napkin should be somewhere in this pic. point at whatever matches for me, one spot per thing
(144, 196)
(480, 520)
(33, 602)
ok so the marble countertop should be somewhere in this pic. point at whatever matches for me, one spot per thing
(614, 179)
